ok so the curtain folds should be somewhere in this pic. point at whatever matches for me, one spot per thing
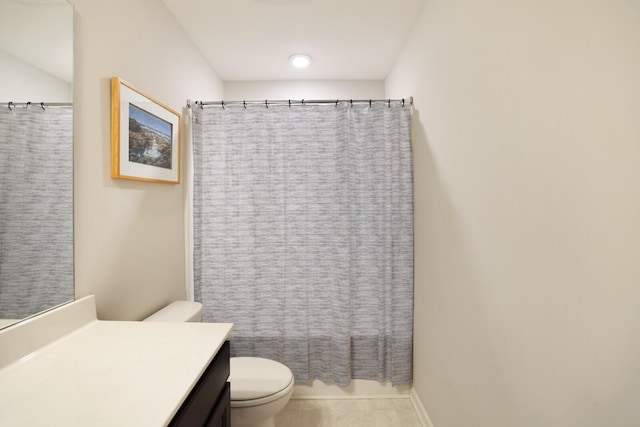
(36, 209)
(303, 235)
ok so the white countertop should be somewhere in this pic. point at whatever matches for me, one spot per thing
(109, 374)
(7, 322)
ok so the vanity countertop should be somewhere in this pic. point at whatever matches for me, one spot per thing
(107, 373)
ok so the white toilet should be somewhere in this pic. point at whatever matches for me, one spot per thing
(260, 388)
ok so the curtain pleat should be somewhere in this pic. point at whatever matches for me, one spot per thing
(36, 209)
(303, 235)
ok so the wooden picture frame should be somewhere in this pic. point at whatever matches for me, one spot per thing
(145, 136)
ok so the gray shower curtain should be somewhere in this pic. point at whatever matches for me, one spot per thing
(303, 235)
(36, 209)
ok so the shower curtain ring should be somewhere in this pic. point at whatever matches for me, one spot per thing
(11, 105)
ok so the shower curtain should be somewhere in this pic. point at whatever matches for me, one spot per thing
(36, 209)
(303, 235)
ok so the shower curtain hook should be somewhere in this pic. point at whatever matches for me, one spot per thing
(266, 103)
(337, 100)
(289, 103)
(222, 103)
(369, 103)
(389, 102)
(27, 105)
(11, 105)
(42, 105)
(402, 102)
(244, 104)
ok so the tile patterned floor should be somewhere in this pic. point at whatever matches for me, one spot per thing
(395, 412)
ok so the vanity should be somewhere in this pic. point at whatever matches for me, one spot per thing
(66, 368)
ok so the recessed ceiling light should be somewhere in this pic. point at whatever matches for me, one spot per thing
(300, 60)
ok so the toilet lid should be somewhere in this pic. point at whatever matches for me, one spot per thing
(255, 377)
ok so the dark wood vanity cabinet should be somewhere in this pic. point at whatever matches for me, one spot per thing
(209, 403)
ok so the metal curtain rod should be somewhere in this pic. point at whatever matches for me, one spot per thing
(43, 105)
(291, 102)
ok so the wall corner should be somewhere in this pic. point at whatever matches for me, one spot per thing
(420, 409)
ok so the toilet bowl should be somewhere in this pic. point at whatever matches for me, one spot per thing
(260, 388)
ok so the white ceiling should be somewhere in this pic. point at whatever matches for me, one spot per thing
(253, 39)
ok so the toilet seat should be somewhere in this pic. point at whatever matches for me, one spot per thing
(257, 381)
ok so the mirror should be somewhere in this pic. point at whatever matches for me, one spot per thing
(36, 157)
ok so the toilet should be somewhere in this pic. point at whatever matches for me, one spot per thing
(260, 388)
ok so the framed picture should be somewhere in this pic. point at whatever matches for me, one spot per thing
(145, 136)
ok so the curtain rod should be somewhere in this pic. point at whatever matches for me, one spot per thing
(291, 102)
(43, 105)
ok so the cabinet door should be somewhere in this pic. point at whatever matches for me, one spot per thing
(206, 395)
(221, 415)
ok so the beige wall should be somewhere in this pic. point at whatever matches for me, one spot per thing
(129, 236)
(303, 89)
(527, 190)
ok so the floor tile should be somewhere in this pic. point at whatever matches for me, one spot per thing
(361, 418)
(311, 405)
(386, 418)
(292, 406)
(402, 404)
(347, 405)
(286, 419)
(312, 418)
(382, 403)
(408, 418)
(378, 412)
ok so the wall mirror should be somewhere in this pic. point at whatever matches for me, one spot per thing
(36, 157)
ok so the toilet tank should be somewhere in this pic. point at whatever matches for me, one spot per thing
(178, 311)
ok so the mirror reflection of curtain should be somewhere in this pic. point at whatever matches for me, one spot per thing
(303, 235)
(36, 209)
